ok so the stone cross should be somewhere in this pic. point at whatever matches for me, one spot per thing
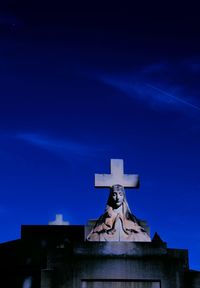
(59, 220)
(116, 176)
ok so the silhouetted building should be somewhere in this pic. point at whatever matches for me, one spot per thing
(58, 256)
(113, 251)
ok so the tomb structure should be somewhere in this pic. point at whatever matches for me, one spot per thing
(113, 251)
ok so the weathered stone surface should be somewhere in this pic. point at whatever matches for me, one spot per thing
(118, 255)
(118, 223)
(59, 257)
(59, 220)
(116, 176)
(119, 264)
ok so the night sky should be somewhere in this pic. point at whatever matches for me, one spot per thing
(81, 84)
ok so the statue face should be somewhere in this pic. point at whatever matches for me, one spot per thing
(117, 195)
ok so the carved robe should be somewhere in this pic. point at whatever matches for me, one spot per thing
(116, 225)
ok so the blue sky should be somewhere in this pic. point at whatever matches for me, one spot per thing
(80, 88)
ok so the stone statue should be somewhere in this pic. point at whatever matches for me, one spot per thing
(118, 223)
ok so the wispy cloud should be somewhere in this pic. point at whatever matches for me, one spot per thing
(158, 85)
(173, 97)
(143, 91)
(61, 147)
(155, 67)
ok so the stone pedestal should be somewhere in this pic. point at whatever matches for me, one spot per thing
(59, 257)
(119, 264)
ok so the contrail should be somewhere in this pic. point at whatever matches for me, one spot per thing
(174, 97)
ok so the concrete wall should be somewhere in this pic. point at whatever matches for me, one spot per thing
(58, 257)
(94, 265)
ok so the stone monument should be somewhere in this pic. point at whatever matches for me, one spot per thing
(117, 223)
(114, 251)
(59, 220)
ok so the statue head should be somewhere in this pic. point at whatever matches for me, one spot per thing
(117, 196)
